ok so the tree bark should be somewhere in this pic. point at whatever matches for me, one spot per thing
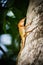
(32, 53)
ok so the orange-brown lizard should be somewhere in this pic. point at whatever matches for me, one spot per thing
(22, 31)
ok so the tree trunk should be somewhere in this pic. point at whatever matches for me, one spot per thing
(32, 53)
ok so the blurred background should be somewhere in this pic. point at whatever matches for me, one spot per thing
(11, 11)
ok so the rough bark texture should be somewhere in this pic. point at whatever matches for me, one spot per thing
(32, 53)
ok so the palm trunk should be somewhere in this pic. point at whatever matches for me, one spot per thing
(32, 53)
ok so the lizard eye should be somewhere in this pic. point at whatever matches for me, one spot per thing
(25, 22)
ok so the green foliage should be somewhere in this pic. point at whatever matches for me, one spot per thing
(8, 24)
